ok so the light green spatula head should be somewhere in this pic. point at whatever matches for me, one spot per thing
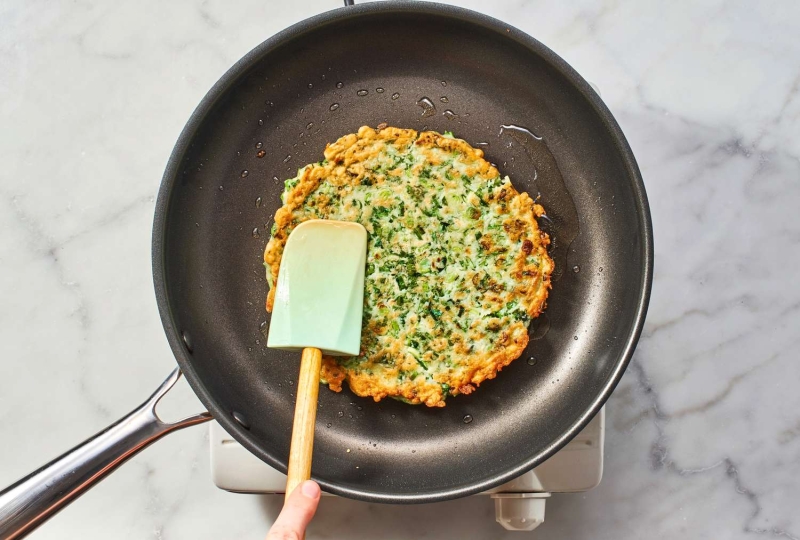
(319, 295)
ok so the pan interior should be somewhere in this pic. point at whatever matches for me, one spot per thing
(274, 113)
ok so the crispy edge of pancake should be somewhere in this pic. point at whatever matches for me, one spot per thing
(344, 165)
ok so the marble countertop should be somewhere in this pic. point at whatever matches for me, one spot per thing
(703, 436)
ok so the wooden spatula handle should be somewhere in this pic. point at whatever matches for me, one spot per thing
(305, 415)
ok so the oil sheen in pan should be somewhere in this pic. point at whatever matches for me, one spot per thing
(561, 220)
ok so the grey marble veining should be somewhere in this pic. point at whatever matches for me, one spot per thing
(703, 435)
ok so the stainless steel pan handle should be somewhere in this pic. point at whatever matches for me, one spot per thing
(37, 497)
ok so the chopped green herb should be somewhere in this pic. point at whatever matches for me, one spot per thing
(440, 265)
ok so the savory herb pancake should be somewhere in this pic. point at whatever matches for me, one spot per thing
(456, 264)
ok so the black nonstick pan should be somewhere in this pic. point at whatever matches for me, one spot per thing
(414, 65)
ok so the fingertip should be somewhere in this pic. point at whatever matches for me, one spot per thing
(310, 489)
(297, 511)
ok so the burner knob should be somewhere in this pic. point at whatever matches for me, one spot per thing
(519, 511)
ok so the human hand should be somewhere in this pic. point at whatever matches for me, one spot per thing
(297, 512)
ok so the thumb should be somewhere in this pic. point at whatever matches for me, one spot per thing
(297, 512)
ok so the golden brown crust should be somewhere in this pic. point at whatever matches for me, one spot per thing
(530, 266)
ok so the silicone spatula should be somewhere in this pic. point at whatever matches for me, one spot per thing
(317, 309)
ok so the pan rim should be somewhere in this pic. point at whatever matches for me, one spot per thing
(503, 30)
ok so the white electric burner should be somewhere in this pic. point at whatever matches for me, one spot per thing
(519, 504)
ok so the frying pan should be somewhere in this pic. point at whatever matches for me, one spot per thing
(417, 65)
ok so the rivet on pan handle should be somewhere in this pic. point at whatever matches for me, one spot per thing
(40, 495)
